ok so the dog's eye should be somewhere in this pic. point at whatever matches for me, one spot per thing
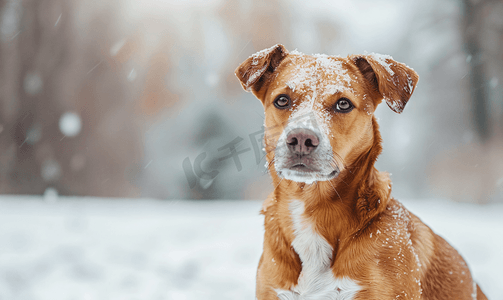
(282, 102)
(344, 105)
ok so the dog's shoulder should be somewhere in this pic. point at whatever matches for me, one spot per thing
(405, 228)
(268, 202)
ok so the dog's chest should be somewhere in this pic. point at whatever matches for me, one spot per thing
(316, 281)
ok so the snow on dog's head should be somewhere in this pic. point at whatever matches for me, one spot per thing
(319, 109)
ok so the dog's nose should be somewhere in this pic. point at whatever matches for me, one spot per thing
(302, 141)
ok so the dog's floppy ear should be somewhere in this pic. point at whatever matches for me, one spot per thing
(256, 71)
(393, 80)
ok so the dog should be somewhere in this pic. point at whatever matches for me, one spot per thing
(332, 229)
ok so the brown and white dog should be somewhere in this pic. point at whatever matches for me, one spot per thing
(332, 229)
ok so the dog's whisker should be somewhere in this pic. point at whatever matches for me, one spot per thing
(269, 164)
(270, 149)
(334, 163)
(266, 166)
(334, 189)
(259, 114)
(278, 183)
(336, 155)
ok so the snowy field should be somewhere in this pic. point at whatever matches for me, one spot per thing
(107, 249)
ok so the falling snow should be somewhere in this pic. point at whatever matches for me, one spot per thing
(70, 124)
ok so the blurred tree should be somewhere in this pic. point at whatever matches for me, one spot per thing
(66, 115)
(471, 169)
(483, 42)
(472, 27)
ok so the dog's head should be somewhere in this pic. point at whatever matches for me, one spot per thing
(319, 108)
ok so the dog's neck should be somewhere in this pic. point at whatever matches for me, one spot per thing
(360, 192)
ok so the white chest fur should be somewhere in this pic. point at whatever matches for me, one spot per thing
(316, 281)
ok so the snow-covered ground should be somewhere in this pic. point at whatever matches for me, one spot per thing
(107, 249)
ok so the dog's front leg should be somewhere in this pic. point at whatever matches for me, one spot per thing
(268, 288)
(279, 267)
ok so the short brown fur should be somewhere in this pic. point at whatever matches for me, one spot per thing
(375, 240)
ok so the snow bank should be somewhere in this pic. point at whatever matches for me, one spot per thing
(88, 248)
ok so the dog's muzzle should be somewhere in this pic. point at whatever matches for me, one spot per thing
(304, 157)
